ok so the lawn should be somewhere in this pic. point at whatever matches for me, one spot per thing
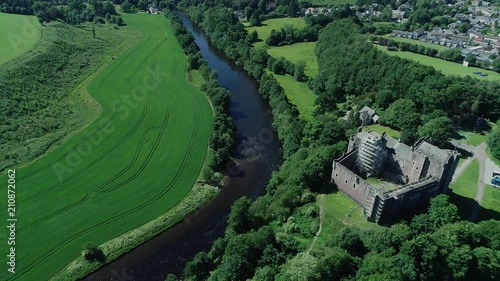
(297, 52)
(19, 34)
(417, 42)
(340, 211)
(268, 25)
(464, 189)
(299, 94)
(471, 138)
(491, 198)
(137, 161)
(381, 129)
(447, 67)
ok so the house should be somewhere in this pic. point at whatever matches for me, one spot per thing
(368, 116)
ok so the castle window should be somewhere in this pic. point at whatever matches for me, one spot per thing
(345, 181)
(336, 175)
(354, 186)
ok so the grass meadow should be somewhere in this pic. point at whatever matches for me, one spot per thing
(297, 52)
(382, 129)
(447, 67)
(268, 25)
(136, 162)
(464, 189)
(19, 34)
(299, 94)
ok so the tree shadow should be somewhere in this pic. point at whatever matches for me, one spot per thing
(466, 205)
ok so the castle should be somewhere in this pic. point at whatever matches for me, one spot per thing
(387, 177)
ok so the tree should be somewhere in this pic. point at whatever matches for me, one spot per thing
(493, 142)
(239, 220)
(142, 5)
(126, 7)
(293, 8)
(299, 72)
(401, 114)
(438, 129)
(471, 58)
(442, 212)
(302, 267)
(119, 21)
(93, 253)
(199, 268)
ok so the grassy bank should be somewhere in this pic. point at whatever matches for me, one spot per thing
(137, 161)
(195, 200)
(298, 52)
(298, 94)
(19, 34)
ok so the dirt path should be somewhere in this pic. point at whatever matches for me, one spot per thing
(321, 202)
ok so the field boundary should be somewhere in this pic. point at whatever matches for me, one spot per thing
(80, 96)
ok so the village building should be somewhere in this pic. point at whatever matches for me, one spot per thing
(387, 177)
(368, 116)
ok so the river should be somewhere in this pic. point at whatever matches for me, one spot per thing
(258, 154)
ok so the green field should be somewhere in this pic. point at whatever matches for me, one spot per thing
(381, 129)
(447, 67)
(138, 160)
(491, 198)
(340, 211)
(298, 94)
(297, 52)
(464, 189)
(417, 42)
(19, 34)
(268, 25)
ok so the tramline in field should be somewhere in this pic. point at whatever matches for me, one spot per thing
(137, 161)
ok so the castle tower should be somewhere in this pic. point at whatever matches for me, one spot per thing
(371, 154)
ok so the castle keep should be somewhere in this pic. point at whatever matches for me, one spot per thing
(387, 177)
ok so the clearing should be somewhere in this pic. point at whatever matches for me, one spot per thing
(268, 25)
(299, 94)
(138, 160)
(297, 52)
(19, 34)
(446, 67)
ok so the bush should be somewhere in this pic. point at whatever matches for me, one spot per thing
(93, 253)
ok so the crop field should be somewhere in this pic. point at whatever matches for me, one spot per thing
(138, 160)
(19, 34)
(268, 25)
(297, 52)
(447, 67)
(299, 94)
